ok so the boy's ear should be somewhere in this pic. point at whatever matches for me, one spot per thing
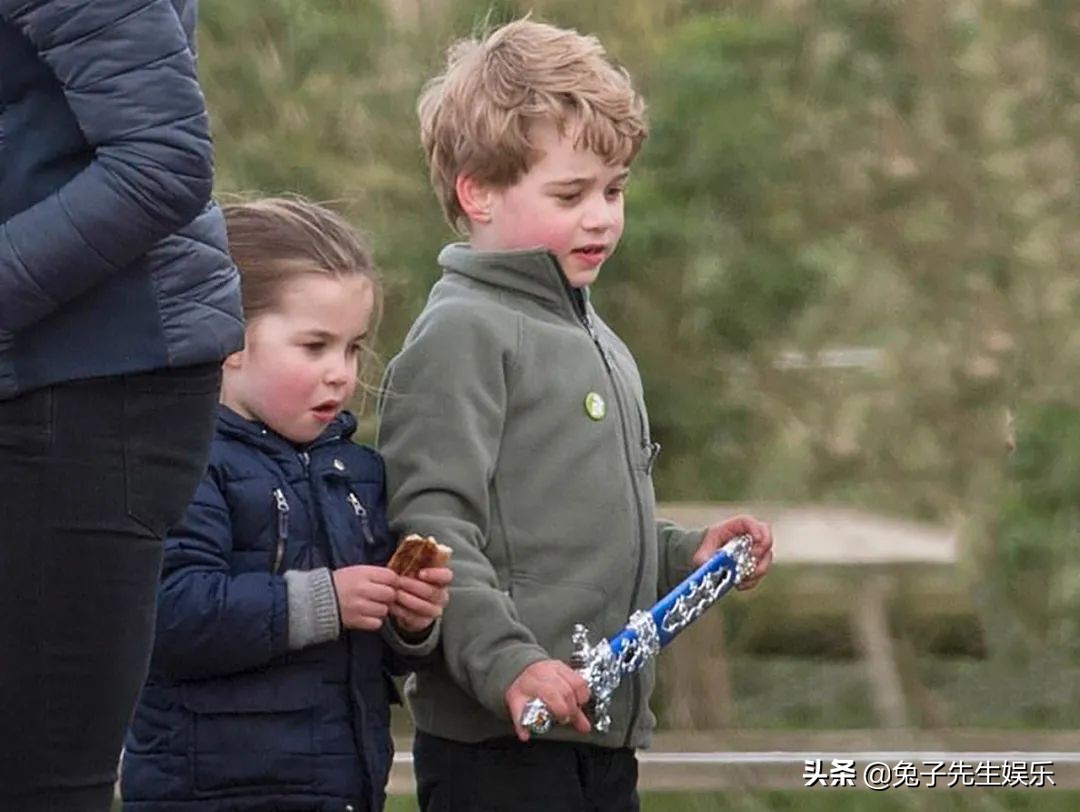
(474, 197)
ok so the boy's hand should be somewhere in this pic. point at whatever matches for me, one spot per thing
(761, 546)
(561, 688)
(418, 601)
(365, 595)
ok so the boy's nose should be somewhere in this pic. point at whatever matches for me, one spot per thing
(599, 216)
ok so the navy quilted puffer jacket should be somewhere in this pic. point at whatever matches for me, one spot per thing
(113, 259)
(230, 718)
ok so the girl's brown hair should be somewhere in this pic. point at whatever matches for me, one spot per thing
(276, 239)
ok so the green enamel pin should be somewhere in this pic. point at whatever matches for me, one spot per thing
(595, 407)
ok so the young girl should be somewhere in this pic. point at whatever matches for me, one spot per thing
(278, 626)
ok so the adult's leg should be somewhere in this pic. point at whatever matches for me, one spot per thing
(91, 475)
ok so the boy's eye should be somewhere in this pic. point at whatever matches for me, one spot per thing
(615, 192)
(567, 197)
(314, 346)
(354, 348)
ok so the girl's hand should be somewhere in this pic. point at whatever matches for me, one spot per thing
(365, 595)
(418, 601)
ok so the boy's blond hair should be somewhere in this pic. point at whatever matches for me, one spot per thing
(475, 118)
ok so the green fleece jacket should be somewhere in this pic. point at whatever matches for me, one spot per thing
(514, 430)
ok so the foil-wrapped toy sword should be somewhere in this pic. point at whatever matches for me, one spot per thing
(604, 665)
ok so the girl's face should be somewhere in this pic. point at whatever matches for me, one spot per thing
(299, 364)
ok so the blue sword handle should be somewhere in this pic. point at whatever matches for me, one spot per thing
(604, 664)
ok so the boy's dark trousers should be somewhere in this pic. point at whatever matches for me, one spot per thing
(92, 473)
(506, 775)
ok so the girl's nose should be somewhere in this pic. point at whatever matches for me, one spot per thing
(338, 372)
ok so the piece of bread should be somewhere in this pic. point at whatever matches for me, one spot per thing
(416, 553)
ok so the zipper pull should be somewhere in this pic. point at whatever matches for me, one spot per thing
(282, 508)
(305, 459)
(362, 514)
(652, 450)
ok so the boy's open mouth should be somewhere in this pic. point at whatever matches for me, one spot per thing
(590, 250)
(591, 255)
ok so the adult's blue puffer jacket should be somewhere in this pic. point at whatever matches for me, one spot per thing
(230, 718)
(113, 259)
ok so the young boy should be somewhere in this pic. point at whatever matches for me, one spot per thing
(514, 429)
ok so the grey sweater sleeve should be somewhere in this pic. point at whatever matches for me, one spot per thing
(313, 607)
(677, 548)
(416, 646)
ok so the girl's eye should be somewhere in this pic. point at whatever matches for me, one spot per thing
(354, 349)
(314, 346)
(615, 192)
(569, 197)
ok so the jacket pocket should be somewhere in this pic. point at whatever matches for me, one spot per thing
(168, 423)
(551, 609)
(255, 729)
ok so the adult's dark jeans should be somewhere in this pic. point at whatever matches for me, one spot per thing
(92, 473)
(507, 775)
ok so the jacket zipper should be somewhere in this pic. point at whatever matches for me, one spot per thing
(362, 514)
(282, 508)
(650, 449)
(635, 686)
(587, 321)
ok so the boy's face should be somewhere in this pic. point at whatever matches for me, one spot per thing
(569, 202)
(298, 367)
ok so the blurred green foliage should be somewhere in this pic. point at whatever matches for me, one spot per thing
(821, 174)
